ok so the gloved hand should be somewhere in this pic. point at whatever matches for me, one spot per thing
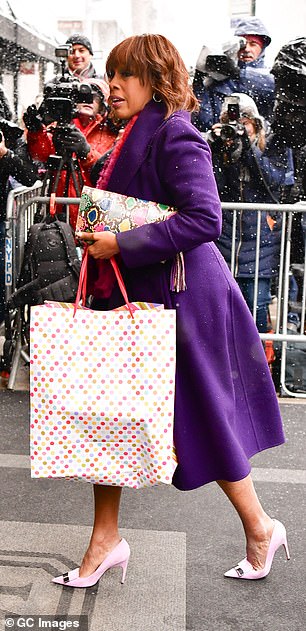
(32, 119)
(70, 139)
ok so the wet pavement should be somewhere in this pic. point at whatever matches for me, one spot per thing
(181, 543)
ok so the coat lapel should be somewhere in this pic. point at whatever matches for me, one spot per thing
(136, 147)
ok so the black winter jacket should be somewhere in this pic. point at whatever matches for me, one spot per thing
(15, 164)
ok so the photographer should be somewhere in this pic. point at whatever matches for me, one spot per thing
(80, 55)
(88, 137)
(249, 166)
(16, 167)
(246, 73)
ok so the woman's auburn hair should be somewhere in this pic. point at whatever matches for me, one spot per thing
(155, 59)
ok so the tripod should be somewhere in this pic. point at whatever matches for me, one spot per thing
(56, 165)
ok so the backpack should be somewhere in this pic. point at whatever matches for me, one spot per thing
(51, 266)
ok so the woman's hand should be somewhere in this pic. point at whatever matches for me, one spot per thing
(104, 244)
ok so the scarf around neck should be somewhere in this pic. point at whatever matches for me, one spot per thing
(112, 159)
(101, 277)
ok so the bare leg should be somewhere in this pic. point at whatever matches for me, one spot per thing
(105, 534)
(258, 526)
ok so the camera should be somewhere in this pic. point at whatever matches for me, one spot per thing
(232, 130)
(229, 139)
(10, 131)
(63, 94)
(223, 64)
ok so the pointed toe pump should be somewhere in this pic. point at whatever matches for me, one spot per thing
(245, 570)
(118, 557)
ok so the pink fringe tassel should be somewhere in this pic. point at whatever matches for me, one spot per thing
(177, 278)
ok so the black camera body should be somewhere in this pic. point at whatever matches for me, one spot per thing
(62, 95)
(10, 131)
(229, 139)
(61, 98)
(221, 64)
(232, 130)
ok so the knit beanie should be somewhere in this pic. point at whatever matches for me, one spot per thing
(78, 38)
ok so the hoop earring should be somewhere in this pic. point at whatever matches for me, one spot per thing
(156, 98)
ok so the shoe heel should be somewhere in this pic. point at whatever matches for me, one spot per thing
(285, 544)
(245, 570)
(124, 565)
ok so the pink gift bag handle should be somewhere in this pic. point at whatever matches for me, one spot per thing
(81, 292)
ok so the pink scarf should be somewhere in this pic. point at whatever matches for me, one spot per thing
(110, 163)
(101, 276)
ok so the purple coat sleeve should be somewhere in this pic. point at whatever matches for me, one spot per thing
(179, 165)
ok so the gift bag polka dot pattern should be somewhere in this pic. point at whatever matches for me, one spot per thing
(102, 395)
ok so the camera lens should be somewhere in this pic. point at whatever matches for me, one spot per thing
(227, 132)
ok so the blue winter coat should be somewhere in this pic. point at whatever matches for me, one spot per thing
(254, 79)
(226, 408)
(255, 177)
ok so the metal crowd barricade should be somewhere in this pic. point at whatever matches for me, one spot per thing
(22, 205)
(18, 221)
(16, 226)
(281, 333)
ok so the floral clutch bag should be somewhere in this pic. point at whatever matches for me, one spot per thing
(101, 210)
(104, 210)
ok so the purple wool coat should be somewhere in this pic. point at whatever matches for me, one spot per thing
(226, 409)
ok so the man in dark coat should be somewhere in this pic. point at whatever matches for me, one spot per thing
(250, 77)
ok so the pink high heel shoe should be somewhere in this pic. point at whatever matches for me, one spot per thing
(118, 557)
(244, 569)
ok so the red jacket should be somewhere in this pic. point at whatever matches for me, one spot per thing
(99, 137)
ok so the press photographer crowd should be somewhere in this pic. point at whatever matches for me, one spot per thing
(252, 117)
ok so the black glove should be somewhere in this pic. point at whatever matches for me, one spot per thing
(32, 119)
(70, 140)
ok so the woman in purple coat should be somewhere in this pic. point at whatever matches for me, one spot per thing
(226, 409)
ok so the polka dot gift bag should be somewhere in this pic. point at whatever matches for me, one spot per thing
(102, 393)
